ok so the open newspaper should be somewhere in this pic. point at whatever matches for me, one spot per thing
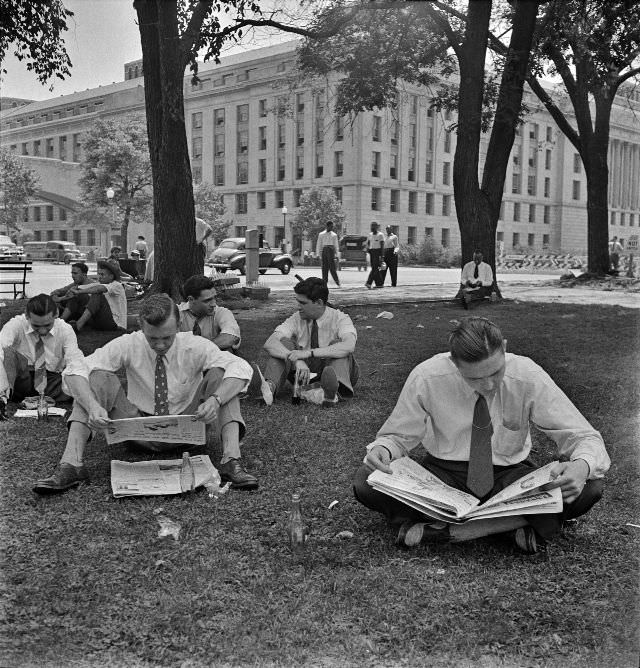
(183, 429)
(414, 485)
(157, 477)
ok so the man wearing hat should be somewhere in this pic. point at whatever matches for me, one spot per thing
(107, 306)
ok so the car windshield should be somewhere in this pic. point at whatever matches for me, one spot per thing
(231, 244)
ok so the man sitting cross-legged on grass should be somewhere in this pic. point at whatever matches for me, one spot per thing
(201, 315)
(168, 373)
(34, 349)
(317, 339)
(70, 304)
(477, 386)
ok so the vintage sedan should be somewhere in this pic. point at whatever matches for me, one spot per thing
(231, 255)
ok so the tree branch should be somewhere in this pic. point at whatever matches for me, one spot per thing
(190, 37)
(628, 75)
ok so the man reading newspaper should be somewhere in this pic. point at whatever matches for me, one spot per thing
(471, 409)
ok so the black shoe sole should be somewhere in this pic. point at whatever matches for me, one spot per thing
(246, 485)
(56, 490)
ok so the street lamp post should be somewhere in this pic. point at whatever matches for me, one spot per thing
(284, 223)
(110, 197)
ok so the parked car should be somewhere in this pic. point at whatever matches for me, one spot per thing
(58, 251)
(11, 253)
(231, 255)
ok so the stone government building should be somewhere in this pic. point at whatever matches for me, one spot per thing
(262, 143)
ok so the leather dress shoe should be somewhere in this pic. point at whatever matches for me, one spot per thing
(413, 533)
(329, 383)
(233, 472)
(65, 477)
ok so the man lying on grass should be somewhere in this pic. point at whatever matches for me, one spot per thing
(168, 373)
(317, 339)
(34, 349)
(479, 401)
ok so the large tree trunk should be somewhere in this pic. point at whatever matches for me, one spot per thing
(174, 214)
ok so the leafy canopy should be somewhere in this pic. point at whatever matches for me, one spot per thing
(17, 184)
(317, 206)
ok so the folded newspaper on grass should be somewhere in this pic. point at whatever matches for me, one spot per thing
(182, 429)
(414, 485)
(157, 477)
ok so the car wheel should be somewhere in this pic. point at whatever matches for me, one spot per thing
(286, 267)
(262, 272)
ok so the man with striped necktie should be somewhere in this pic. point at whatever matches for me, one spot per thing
(168, 373)
(34, 349)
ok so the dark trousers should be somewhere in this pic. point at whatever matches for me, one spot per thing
(101, 316)
(20, 377)
(375, 254)
(76, 306)
(474, 294)
(329, 264)
(391, 260)
(454, 474)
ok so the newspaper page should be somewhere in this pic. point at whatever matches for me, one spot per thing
(156, 477)
(182, 429)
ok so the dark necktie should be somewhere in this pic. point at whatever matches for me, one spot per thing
(480, 472)
(475, 272)
(40, 368)
(196, 329)
(161, 391)
(314, 335)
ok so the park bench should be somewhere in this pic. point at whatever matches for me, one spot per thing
(14, 273)
(515, 258)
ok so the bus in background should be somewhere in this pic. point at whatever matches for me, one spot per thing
(54, 251)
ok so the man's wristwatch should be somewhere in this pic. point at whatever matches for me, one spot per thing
(217, 398)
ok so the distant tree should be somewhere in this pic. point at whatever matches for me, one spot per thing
(116, 156)
(210, 206)
(317, 206)
(33, 31)
(17, 184)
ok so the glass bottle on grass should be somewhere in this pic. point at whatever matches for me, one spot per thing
(43, 409)
(187, 474)
(295, 397)
(297, 530)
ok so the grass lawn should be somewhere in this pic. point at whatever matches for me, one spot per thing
(86, 581)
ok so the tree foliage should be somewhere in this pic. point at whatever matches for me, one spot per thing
(317, 207)
(116, 155)
(34, 31)
(210, 206)
(17, 184)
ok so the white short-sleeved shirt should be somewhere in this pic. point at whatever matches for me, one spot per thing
(221, 322)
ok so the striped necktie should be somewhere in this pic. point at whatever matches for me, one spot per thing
(480, 472)
(40, 367)
(161, 391)
(196, 329)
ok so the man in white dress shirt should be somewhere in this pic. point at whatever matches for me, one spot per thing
(168, 373)
(439, 406)
(476, 281)
(317, 339)
(328, 249)
(36, 338)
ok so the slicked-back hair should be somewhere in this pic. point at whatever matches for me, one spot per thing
(194, 285)
(312, 288)
(474, 339)
(157, 309)
(82, 266)
(41, 305)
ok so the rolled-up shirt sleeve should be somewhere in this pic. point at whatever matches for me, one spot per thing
(74, 360)
(234, 366)
(8, 336)
(287, 329)
(227, 324)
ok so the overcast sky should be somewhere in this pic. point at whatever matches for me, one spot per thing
(102, 36)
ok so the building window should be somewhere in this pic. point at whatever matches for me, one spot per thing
(241, 202)
(91, 237)
(262, 170)
(413, 199)
(428, 209)
(49, 235)
(300, 132)
(218, 117)
(261, 200)
(413, 135)
(299, 166)
(447, 142)
(533, 156)
(613, 218)
(533, 131)
(375, 199)
(196, 148)
(499, 236)
(622, 219)
(77, 237)
(339, 164)
(243, 172)
(575, 190)
(262, 108)
(62, 213)
(63, 235)
(428, 171)
(319, 164)
(516, 212)
(243, 141)
(375, 163)
(218, 175)
(218, 142)
(428, 232)
(445, 238)
(62, 147)
(339, 128)
(37, 235)
(577, 163)
(196, 120)
(241, 230)
(393, 166)
(394, 132)
(49, 148)
(36, 214)
(376, 125)
(545, 241)
(532, 184)
(24, 148)
(411, 172)
(281, 168)
(413, 104)
(446, 205)
(297, 194)
(394, 202)
(515, 242)
(338, 193)
(532, 213)
(299, 102)
(547, 159)
(547, 186)
(411, 235)
(196, 173)
(515, 184)
(262, 138)
(446, 173)
(549, 133)
(281, 134)
(49, 212)
(243, 113)
(279, 199)
(429, 139)
(632, 220)
(36, 148)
